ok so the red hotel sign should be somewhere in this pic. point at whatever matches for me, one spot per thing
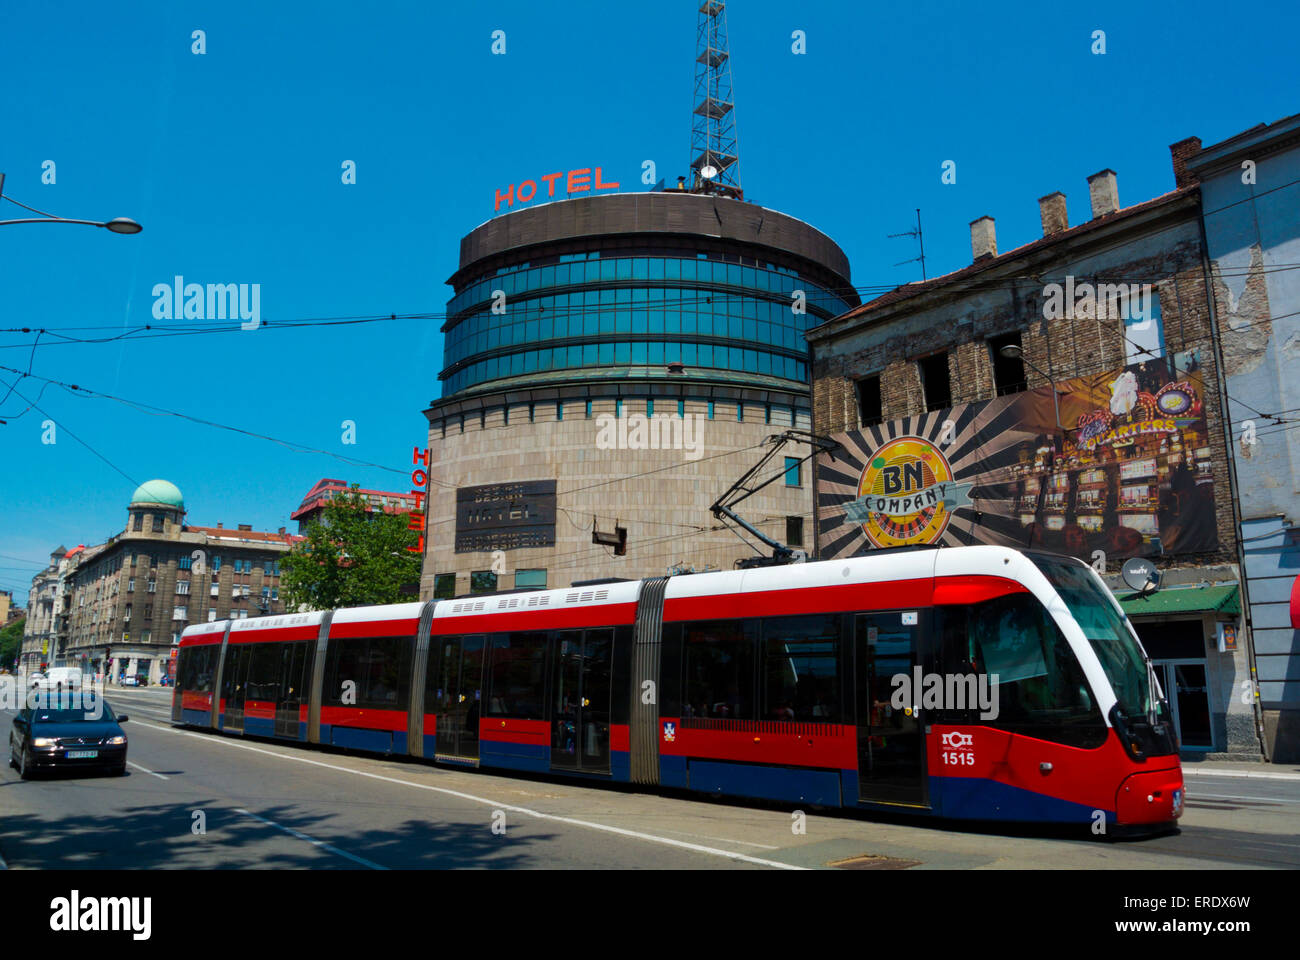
(419, 478)
(578, 181)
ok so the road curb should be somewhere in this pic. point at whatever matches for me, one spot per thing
(1241, 775)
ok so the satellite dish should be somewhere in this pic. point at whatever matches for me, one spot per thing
(708, 171)
(1141, 575)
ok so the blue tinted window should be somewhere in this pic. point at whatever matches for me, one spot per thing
(792, 466)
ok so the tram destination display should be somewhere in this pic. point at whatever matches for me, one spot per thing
(505, 516)
(1130, 473)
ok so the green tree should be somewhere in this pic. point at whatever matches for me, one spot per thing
(351, 557)
(11, 639)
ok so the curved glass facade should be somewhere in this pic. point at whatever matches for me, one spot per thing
(619, 313)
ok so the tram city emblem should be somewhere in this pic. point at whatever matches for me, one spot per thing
(906, 494)
(958, 741)
(670, 731)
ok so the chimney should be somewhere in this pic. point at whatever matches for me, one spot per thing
(983, 239)
(1104, 193)
(282, 531)
(1181, 152)
(218, 524)
(1051, 209)
(245, 526)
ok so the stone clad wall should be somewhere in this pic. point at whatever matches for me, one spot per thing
(663, 512)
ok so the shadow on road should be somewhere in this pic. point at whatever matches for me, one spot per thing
(153, 836)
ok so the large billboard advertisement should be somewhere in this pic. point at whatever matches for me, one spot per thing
(1128, 472)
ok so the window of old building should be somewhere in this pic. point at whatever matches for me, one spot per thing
(1008, 372)
(935, 381)
(870, 406)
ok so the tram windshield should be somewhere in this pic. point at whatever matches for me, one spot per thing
(1121, 657)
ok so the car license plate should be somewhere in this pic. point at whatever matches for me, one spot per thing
(82, 754)
(1178, 802)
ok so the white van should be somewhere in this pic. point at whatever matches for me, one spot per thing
(66, 678)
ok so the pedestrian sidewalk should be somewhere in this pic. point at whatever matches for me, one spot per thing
(1240, 769)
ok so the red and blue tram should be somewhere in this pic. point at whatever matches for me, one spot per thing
(977, 682)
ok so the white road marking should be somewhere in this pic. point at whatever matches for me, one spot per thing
(590, 825)
(747, 843)
(320, 843)
(1243, 774)
(132, 763)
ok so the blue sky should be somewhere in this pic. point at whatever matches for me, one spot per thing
(232, 161)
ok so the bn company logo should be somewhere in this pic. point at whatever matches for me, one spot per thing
(906, 494)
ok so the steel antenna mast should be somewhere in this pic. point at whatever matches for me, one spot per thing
(715, 143)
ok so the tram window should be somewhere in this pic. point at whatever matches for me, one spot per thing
(518, 675)
(1040, 689)
(263, 671)
(800, 671)
(200, 665)
(379, 667)
(719, 667)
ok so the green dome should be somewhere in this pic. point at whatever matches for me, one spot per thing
(158, 491)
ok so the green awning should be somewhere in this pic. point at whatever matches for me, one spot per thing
(1221, 599)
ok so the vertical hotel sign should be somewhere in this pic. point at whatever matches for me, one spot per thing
(418, 519)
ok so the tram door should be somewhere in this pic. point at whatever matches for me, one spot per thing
(891, 742)
(294, 671)
(234, 686)
(459, 696)
(580, 700)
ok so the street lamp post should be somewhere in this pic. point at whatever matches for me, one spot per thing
(124, 225)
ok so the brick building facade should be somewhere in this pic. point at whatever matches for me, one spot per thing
(892, 363)
(124, 603)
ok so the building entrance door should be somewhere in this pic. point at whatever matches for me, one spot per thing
(1187, 689)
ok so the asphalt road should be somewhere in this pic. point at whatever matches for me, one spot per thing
(201, 801)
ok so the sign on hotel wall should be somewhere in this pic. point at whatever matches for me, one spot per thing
(1131, 476)
(505, 516)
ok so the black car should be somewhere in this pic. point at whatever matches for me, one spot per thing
(59, 733)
